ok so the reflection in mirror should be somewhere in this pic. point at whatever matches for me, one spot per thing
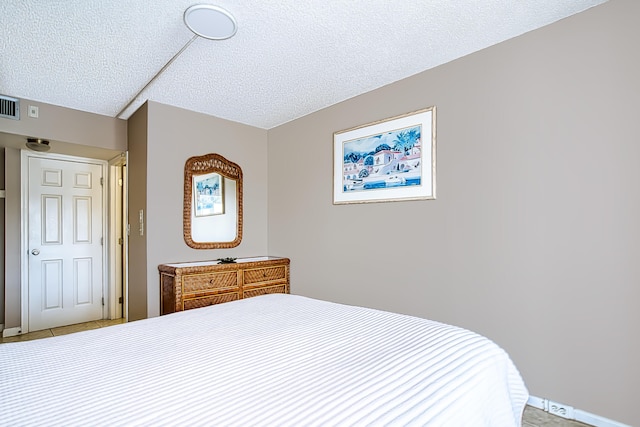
(212, 206)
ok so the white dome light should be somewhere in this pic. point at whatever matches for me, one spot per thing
(210, 22)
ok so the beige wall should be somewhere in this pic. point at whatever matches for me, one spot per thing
(174, 135)
(69, 126)
(2, 235)
(71, 132)
(160, 140)
(137, 132)
(534, 238)
(11, 300)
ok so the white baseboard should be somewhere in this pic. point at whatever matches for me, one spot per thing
(11, 332)
(576, 414)
(536, 402)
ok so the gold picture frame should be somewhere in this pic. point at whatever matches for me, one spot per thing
(389, 160)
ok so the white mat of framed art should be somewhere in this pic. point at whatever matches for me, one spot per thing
(389, 160)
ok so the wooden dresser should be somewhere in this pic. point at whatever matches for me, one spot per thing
(197, 284)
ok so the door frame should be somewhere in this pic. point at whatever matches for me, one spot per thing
(24, 230)
(118, 219)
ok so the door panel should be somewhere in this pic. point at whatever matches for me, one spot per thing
(82, 280)
(65, 225)
(82, 220)
(52, 226)
(52, 283)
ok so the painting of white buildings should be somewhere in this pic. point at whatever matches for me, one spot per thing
(390, 159)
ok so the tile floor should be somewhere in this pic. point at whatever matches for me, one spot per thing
(62, 330)
(533, 417)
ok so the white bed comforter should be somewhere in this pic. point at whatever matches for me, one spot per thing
(274, 360)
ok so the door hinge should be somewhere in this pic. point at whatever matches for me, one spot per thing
(101, 241)
(120, 300)
(101, 181)
(120, 182)
(120, 241)
(102, 300)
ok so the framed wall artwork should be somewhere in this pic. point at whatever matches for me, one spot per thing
(208, 194)
(389, 160)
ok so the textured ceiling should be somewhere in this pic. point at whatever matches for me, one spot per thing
(289, 57)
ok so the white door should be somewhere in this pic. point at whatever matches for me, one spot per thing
(65, 251)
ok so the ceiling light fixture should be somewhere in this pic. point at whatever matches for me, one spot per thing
(37, 144)
(210, 22)
(204, 20)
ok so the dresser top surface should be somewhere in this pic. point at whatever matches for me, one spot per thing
(216, 262)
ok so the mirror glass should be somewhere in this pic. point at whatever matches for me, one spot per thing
(212, 216)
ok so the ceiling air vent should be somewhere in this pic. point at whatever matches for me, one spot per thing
(9, 107)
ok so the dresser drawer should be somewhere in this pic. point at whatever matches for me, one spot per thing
(259, 275)
(278, 289)
(189, 285)
(189, 303)
(209, 281)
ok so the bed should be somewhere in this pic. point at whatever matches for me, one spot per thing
(272, 360)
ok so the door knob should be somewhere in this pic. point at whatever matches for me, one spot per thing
(35, 252)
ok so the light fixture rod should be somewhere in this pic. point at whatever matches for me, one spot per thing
(157, 75)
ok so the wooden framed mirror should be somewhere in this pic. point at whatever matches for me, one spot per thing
(212, 214)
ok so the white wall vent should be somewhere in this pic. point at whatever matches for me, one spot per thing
(9, 107)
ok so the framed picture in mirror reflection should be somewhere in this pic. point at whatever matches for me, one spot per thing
(208, 194)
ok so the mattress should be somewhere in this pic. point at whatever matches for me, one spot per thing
(272, 360)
